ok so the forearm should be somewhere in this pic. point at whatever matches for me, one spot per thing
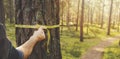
(28, 46)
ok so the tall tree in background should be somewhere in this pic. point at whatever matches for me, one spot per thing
(44, 12)
(68, 14)
(81, 22)
(91, 17)
(88, 20)
(62, 6)
(118, 21)
(102, 20)
(2, 13)
(110, 18)
(78, 14)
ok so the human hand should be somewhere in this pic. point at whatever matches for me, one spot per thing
(39, 34)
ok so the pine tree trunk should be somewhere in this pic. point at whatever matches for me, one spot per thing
(109, 24)
(27, 13)
(81, 22)
(102, 22)
(68, 15)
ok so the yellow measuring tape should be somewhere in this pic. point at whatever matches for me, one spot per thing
(38, 26)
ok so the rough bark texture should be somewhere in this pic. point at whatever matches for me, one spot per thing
(44, 12)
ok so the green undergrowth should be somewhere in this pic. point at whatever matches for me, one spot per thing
(113, 51)
(71, 46)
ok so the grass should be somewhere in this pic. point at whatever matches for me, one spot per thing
(113, 51)
(72, 48)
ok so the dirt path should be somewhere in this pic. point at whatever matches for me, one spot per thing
(96, 52)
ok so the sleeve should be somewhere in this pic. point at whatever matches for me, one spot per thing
(14, 53)
(7, 51)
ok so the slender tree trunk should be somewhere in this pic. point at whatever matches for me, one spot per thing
(88, 18)
(68, 14)
(110, 17)
(119, 22)
(119, 25)
(119, 42)
(113, 24)
(81, 22)
(88, 24)
(78, 14)
(102, 22)
(62, 17)
(2, 13)
(91, 18)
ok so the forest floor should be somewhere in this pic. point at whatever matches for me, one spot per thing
(97, 52)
